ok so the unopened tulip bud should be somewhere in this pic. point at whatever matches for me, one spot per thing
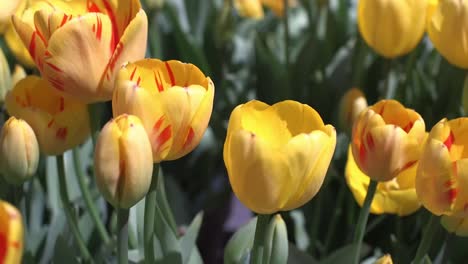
(351, 105)
(276, 249)
(19, 151)
(11, 234)
(124, 161)
(5, 77)
(386, 259)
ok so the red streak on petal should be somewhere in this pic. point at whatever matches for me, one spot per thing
(117, 52)
(452, 194)
(362, 154)
(15, 244)
(99, 28)
(133, 74)
(3, 247)
(370, 141)
(92, 7)
(449, 141)
(408, 127)
(62, 104)
(50, 123)
(115, 33)
(408, 165)
(47, 54)
(61, 133)
(158, 81)
(171, 74)
(32, 46)
(138, 81)
(189, 138)
(64, 20)
(56, 83)
(158, 123)
(382, 109)
(164, 136)
(54, 67)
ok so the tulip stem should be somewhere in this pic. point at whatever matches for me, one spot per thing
(286, 34)
(362, 221)
(426, 240)
(94, 120)
(70, 214)
(88, 200)
(122, 235)
(256, 256)
(150, 210)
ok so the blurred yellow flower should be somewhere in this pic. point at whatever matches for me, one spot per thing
(397, 196)
(11, 234)
(254, 9)
(59, 123)
(99, 34)
(392, 27)
(387, 139)
(447, 27)
(19, 151)
(352, 104)
(174, 101)
(442, 176)
(7, 9)
(385, 259)
(277, 156)
(123, 161)
(5, 77)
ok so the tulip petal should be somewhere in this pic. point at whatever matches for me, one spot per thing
(34, 43)
(249, 8)
(64, 67)
(455, 225)
(300, 118)
(11, 234)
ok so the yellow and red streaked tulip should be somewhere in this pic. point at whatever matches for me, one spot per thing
(19, 151)
(392, 27)
(99, 34)
(446, 27)
(385, 259)
(123, 161)
(442, 177)
(254, 9)
(277, 156)
(174, 100)
(7, 9)
(397, 196)
(59, 123)
(11, 234)
(351, 105)
(387, 139)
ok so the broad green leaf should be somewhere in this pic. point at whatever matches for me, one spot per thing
(342, 255)
(240, 243)
(188, 241)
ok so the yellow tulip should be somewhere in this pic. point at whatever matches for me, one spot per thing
(397, 196)
(123, 161)
(447, 26)
(277, 156)
(174, 101)
(253, 8)
(18, 74)
(11, 234)
(19, 151)
(7, 9)
(5, 76)
(442, 177)
(387, 139)
(59, 123)
(351, 105)
(392, 27)
(385, 259)
(99, 35)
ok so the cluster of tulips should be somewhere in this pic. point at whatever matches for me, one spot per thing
(276, 156)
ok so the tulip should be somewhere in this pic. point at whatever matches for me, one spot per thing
(277, 156)
(385, 259)
(351, 105)
(253, 8)
(8, 8)
(11, 234)
(99, 34)
(397, 196)
(174, 101)
(387, 139)
(440, 180)
(123, 161)
(18, 74)
(446, 26)
(276, 238)
(5, 76)
(19, 151)
(392, 27)
(59, 123)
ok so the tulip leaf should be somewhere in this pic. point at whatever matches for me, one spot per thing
(300, 233)
(342, 255)
(167, 239)
(58, 224)
(63, 252)
(188, 241)
(297, 256)
(163, 204)
(195, 257)
(240, 243)
(426, 260)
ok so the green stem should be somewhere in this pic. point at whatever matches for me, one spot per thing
(122, 235)
(89, 203)
(70, 214)
(150, 209)
(426, 240)
(389, 90)
(94, 114)
(362, 221)
(259, 239)
(336, 216)
(286, 33)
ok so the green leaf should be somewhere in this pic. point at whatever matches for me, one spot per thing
(188, 241)
(426, 260)
(342, 255)
(297, 256)
(64, 253)
(240, 243)
(195, 257)
(300, 233)
(167, 239)
(163, 204)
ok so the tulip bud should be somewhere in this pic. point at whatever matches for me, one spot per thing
(444, 28)
(123, 161)
(277, 156)
(19, 151)
(5, 77)
(11, 234)
(386, 259)
(392, 28)
(277, 244)
(249, 8)
(387, 139)
(351, 105)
